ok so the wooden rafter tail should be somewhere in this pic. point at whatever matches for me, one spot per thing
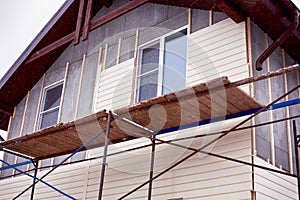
(53, 46)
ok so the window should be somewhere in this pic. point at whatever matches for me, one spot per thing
(50, 106)
(162, 66)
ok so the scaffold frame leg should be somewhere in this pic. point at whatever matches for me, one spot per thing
(151, 166)
(104, 157)
(36, 165)
(297, 156)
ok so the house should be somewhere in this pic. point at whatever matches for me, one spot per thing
(151, 99)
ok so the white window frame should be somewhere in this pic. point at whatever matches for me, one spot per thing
(161, 40)
(41, 112)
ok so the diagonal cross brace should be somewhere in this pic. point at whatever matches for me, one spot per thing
(209, 143)
(35, 178)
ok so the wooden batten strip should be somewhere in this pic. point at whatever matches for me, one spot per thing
(105, 57)
(39, 103)
(251, 85)
(24, 113)
(14, 113)
(190, 20)
(272, 141)
(79, 87)
(63, 93)
(298, 82)
(289, 139)
(9, 127)
(98, 73)
(15, 162)
(135, 63)
(100, 63)
(249, 54)
(211, 13)
(119, 51)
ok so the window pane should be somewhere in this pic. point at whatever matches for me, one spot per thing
(174, 73)
(148, 86)
(150, 58)
(49, 118)
(52, 97)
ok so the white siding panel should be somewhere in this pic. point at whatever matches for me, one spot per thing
(270, 185)
(69, 179)
(114, 86)
(11, 187)
(218, 50)
(200, 177)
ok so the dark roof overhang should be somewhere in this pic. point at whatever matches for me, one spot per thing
(272, 16)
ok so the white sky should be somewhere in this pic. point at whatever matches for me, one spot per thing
(20, 22)
(297, 3)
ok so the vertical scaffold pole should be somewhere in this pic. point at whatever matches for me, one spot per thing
(104, 157)
(151, 167)
(36, 165)
(296, 156)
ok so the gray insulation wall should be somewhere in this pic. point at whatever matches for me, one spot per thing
(262, 134)
(268, 90)
(152, 20)
(159, 19)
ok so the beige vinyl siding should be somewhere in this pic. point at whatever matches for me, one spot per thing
(197, 178)
(11, 187)
(218, 50)
(269, 185)
(200, 177)
(70, 179)
(114, 86)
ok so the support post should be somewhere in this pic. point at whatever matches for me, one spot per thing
(296, 156)
(36, 164)
(151, 167)
(104, 157)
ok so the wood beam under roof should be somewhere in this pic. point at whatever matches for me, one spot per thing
(94, 24)
(87, 21)
(79, 22)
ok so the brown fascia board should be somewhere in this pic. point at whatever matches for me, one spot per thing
(35, 42)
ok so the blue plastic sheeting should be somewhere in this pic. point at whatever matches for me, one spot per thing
(230, 116)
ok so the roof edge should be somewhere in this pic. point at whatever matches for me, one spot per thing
(35, 42)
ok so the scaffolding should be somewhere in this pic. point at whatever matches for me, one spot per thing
(130, 123)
